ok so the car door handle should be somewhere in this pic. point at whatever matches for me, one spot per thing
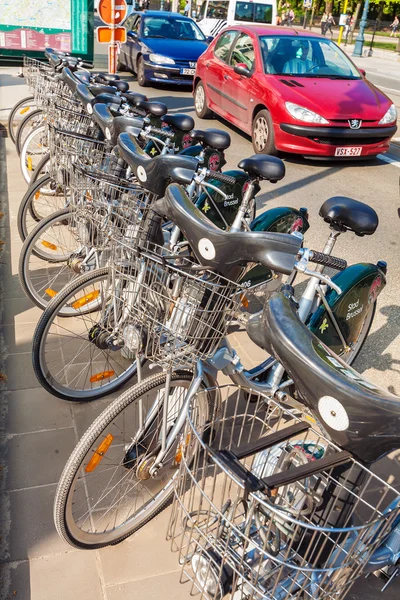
(207, 65)
(226, 76)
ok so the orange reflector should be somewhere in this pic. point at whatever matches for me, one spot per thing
(51, 292)
(89, 197)
(24, 110)
(49, 245)
(29, 163)
(99, 453)
(101, 376)
(244, 300)
(86, 299)
(37, 195)
(181, 448)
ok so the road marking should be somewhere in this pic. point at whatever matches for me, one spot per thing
(388, 159)
(381, 87)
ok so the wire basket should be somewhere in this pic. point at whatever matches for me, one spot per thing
(178, 309)
(69, 115)
(67, 148)
(102, 197)
(32, 70)
(260, 528)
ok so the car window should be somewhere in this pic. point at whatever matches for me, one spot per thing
(129, 22)
(223, 45)
(243, 52)
(136, 25)
(253, 12)
(305, 57)
(217, 9)
(164, 27)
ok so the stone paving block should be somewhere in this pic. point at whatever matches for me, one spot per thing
(20, 375)
(35, 410)
(11, 286)
(145, 554)
(38, 458)
(31, 529)
(163, 587)
(18, 339)
(20, 310)
(15, 581)
(70, 576)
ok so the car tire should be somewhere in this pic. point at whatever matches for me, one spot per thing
(262, 133)
(200, 102)
(141, 78)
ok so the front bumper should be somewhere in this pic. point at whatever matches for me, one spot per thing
(167, 74)
(323, 141)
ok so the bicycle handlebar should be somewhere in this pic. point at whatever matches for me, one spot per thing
(164, 132)
(221, 177)
(328, 261)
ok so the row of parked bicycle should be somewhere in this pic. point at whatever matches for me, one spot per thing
(139, 249)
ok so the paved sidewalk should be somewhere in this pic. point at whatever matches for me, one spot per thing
(38, 432)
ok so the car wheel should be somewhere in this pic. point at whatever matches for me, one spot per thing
(263, 133)
(200, 102)
(142, 81)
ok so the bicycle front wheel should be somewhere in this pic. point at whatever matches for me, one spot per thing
(33, 150)
(48, 256)
(29, 123)
(72, 358)
(105, 492)
(21, 110)
(42, 199)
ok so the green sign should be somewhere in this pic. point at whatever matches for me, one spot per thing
(27, 27)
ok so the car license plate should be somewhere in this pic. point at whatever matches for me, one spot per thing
(349, 151)
(188, 71)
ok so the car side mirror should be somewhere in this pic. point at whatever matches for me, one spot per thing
(363, 72)
(241, 69)
(132, 35)
(209, 39)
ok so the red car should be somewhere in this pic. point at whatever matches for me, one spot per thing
(294, 92)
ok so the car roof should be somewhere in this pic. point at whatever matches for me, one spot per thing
(271, 30)
(160, 13)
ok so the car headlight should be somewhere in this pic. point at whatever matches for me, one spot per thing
(161, 60)
(390, 116)
(303, 114)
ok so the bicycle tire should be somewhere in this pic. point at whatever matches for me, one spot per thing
(62, 502)
(40, 367)
(26, 210)
(19, 137)
(12, 128)
(40, 169)
(26, 152)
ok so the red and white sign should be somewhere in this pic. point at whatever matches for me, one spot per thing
(112, 12)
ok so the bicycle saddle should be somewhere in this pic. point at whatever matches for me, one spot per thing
(214, 138)
(347, 214)
(225, 251)
(156, 173)
(179, 122)
(101, 88)
(264, 166)
(359, 417)
(83, 94)
(157, 109)
(133, 97)
(107, 77)
(82, 77)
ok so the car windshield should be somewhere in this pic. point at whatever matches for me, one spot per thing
(305, 57)
(161, 27)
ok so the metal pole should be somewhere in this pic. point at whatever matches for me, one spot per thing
(358, 48)
(312, 15)
(113, 46)
(305, 19)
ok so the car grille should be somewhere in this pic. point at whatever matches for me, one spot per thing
(361, 141)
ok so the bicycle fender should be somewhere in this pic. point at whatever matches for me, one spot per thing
(361, 284)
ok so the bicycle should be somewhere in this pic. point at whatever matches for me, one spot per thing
(184, 333)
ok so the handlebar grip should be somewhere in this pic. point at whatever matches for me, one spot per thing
(221, 177)
(164, 132)
(328, 261)
(86, 64)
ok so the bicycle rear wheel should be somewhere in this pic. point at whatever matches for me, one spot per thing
(72, 358)
(105, 492)
(21, 110)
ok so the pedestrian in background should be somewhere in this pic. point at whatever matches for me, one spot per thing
(347, 26)
(186, 9)
(394, 26)
(324, 19)
(329, 24)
